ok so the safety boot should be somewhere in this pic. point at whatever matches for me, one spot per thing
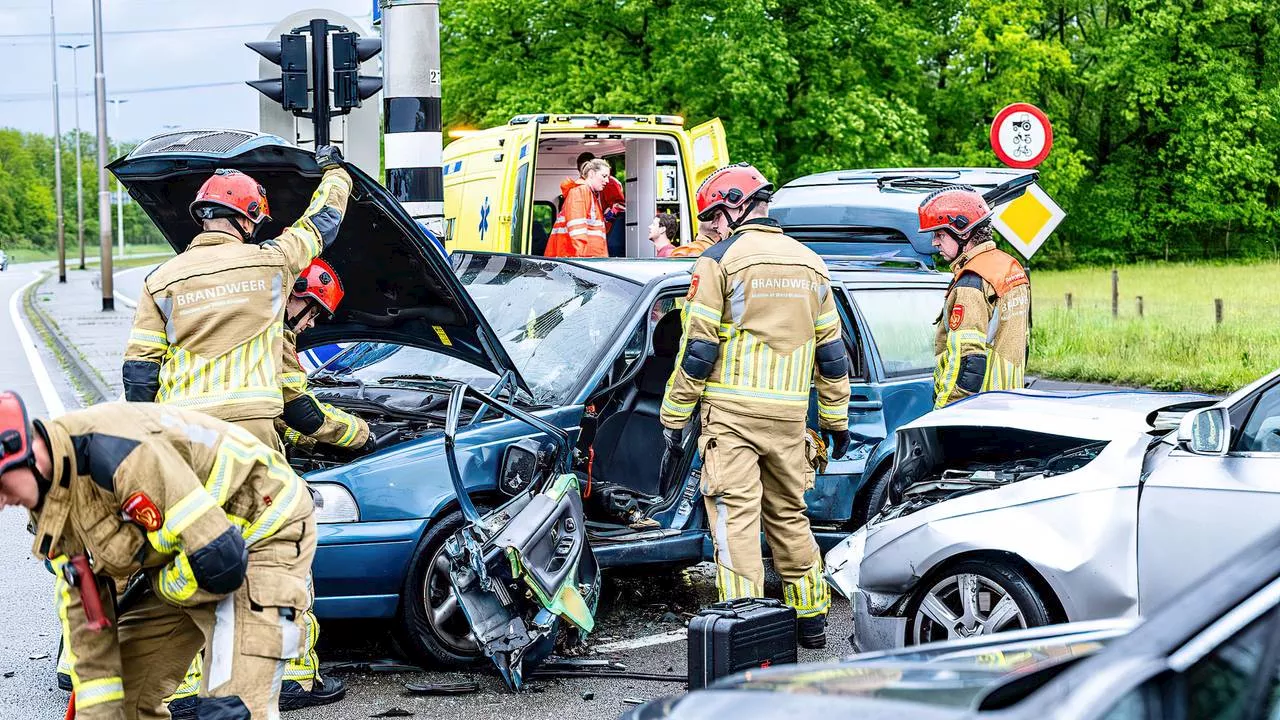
(184, 708)
(812, 632)
(323, 692)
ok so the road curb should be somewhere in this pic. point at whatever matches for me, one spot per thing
(85, 378)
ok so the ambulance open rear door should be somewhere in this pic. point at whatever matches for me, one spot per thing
(516, 219)
(710, 151)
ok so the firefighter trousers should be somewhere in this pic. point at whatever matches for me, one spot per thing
(754, 472)
(304, 668)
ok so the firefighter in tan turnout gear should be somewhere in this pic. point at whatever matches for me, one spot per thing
(981, 341)
(219, 527)
(307, 420)
(760, 326)
(208, 331)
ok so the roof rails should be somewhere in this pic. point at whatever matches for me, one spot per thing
(845, 260)
(600, 120)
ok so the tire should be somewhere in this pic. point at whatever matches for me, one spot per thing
(427, 638)
(872, 498)
(1000, 589)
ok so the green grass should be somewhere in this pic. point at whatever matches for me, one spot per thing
(22, 255)
(1175, 344)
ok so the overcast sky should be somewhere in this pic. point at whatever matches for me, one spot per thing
(145, 49)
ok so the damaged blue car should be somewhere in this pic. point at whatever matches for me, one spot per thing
(566, 477)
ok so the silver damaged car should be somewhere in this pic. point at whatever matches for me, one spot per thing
(1020, 509)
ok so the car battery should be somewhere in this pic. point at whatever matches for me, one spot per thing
(737, 635)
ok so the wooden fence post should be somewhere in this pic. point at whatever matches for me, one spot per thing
(1217, 311)
(1115, 293)
(1139, 306)
(1068, 301)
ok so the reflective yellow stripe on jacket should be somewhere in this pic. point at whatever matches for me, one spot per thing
(245, 374)
(751, 369)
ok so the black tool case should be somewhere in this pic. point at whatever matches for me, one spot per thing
(737, 635)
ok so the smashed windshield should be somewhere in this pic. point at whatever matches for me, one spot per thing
(553, 320)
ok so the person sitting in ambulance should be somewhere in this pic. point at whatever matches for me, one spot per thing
(664, 231)
(579, 230)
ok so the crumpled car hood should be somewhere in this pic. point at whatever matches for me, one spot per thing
(1091, 416)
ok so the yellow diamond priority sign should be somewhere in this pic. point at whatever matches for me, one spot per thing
(1028, 220)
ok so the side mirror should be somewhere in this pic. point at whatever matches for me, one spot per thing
(1206, 431)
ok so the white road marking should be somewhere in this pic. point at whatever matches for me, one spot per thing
(640, 642)
(120, 297)
(52, 403)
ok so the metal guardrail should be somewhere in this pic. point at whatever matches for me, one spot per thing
(83, 375)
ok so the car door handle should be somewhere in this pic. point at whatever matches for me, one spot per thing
(865, 405)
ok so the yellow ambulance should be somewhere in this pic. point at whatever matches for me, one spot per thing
(502, 185)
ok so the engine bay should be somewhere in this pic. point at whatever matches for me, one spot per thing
(395, 415)
(941, 463)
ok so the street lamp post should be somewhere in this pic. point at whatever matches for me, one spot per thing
(104, 191)
(75, 84)
(115, 104)
(57, 148)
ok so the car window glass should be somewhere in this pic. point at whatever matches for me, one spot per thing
(371, 362)
(1219, 685)
(901, 323)
(1135, 705)
(853, 339)
(635, 344)
(1261, 433)
(552, 318)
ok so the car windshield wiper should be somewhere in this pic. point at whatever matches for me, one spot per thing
(912, 181)
(328, 377)
(419, 379)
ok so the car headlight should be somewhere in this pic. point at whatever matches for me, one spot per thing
(844, 563)
(334, 503)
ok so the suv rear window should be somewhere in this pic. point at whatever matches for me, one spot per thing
(901, 323)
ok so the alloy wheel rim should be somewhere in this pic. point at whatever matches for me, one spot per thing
(443, 613)
(965, 605)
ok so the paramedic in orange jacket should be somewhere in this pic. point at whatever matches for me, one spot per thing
(580, 230)
(981, 342)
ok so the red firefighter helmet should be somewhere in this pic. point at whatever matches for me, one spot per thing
(731, 187)
(319, 283)
(15, 432)
(229, 192)
(959, 209)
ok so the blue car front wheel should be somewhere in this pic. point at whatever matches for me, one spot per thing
(433, 630)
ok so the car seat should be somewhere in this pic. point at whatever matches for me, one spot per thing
(628, 444)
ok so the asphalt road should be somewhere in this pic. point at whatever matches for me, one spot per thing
(641, 620)
(29, 638)
(640, 623)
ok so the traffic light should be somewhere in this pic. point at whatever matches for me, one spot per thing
(290, 53)
(350, 88)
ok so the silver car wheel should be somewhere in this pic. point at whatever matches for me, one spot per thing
(965, 605)
(444, 614)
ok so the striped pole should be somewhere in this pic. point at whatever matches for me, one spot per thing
(411, 122)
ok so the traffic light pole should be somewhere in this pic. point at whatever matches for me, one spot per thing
(320, 113)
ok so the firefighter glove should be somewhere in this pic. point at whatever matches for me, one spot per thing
(672, 438)
(672, 452)
(838, 441)
(328, 156)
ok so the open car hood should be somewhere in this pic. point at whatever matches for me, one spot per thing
(400, 288)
